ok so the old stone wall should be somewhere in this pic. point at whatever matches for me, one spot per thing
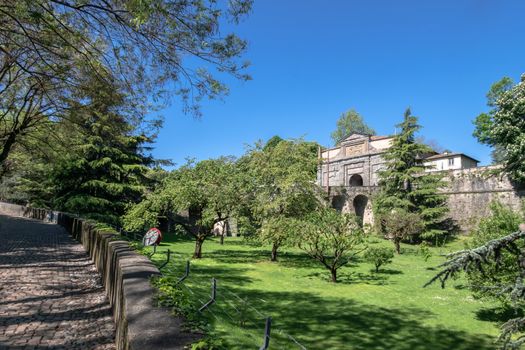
(126, 277)
(470, 192)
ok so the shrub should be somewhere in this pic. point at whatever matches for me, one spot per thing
(379, 256)
(401, 225)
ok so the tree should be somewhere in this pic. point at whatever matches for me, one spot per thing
(106, 166)
(512, 331)
(149, 49)
(503, 127)
(348, 123)
(208, 191)
(400, 225)
(501, 222)
(331, 238)
(284, 187)
(94, 163)
(404, 184)
(378, 256)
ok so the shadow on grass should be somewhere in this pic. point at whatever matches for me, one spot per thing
(388, 271)
(322, 323)
(316, 322)
(498, 314)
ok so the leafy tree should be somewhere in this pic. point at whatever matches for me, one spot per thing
(331, 238)
(512, 331)
(208, 191)
(501, 222)
(284, 188)
(503, 127)
(400, 225)
(378, 256)
(348, 123)
(148, 49)
(404, 184)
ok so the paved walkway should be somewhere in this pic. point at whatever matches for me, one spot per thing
(50, 292)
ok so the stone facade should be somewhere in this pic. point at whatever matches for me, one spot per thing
(349, 173)
(470, 192)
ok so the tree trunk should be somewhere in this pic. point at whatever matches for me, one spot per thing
(224, 231)
(274, 252)
(333, 272)
(377, 268)
(198, 248)
(398, 246)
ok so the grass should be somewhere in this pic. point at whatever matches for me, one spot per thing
(365, 310)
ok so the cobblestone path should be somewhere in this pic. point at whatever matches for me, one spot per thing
(50, 293)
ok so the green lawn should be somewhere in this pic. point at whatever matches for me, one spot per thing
(365, 310)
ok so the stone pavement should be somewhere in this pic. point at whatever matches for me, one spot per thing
(50, 292)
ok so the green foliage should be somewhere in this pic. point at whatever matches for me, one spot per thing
(488, 255)
(170, 294)
(94, 164)
(358, 310)
(400, 225)
(149, 50)
(424, 251)
(348, 123)
(331, 238)
(378, 256)
(405, 185)
(209, 343)
(209, 190)
(488, 283)
(281, 189)
(503, 127)
(105, 168)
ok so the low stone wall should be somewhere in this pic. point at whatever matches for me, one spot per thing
(126, 277)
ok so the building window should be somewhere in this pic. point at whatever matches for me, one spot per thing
(356, 181)
(451, 162)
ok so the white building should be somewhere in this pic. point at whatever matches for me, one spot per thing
(450, 161)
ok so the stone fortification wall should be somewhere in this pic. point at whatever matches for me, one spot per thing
(470, 192)
(125, 275)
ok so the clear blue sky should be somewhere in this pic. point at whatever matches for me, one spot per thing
(313, 60)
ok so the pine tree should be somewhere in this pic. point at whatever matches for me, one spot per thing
(405, 184)
(105, 167)
(491, 253)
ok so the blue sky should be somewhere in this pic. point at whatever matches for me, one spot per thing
(313, 60)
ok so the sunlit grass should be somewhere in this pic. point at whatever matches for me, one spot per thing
(365, 310)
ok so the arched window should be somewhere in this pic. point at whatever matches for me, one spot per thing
(356, 181)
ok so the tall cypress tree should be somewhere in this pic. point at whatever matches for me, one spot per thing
(405, 184)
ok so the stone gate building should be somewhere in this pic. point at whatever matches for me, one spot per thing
(349, 173)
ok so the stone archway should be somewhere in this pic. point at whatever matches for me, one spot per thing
(360, 205)
(355, 181)
(338, 202)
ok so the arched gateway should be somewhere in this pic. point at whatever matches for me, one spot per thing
(360, 203)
